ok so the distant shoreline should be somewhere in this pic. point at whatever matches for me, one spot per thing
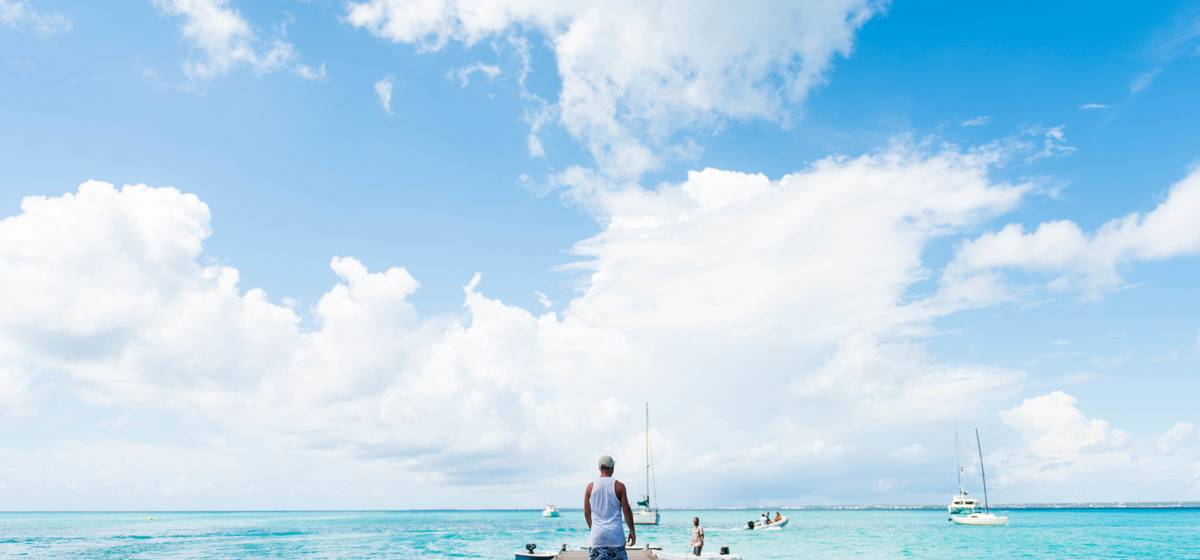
(872, 507)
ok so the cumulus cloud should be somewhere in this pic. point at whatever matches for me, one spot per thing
(977, 121)
(1180, 434)
(225, 40)
(1059, 441)
(633, 75)
(798, 282)
(383, 91)
(20, 14)
(1087, 261)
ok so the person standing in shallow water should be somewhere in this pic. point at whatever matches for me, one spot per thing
(697, 536)
(605, 502)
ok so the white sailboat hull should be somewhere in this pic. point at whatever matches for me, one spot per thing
(980, 519)
(644, 517)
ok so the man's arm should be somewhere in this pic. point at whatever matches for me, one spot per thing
(624, 497)
(587, 505)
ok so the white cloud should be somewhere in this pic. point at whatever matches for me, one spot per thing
(749, 300)
(635, 74)
(158, 327)
(1092, 106)
(1053, 142)
(1143, 80)
(308, 73)
(977, 121)
(383, 90)
(1179, 434)
(15, 397)
(1088, 261)
(464, 74)
(1059, 441)
(20, 13)
(225, 40)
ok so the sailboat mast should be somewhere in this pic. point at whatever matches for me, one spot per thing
(647, 451)
(957, 462)
(982, 474)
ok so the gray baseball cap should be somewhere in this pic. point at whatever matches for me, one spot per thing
(606, 462)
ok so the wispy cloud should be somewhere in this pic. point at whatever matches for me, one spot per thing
(1053, 141)
(977, 121)
(1144, 80)
(1179, 39)
(308, 73)
(225, 41)
(383, 90)
(464, 74)
(19, 13)
(1092, 106)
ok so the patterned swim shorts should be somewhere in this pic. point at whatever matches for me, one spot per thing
(607, 553)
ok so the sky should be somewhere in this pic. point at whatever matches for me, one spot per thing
(439, 254)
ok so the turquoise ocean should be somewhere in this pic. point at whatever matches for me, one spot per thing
(812, 533)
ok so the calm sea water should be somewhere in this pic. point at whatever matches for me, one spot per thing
(1047, 533)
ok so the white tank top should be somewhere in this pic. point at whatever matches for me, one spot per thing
(606, 514)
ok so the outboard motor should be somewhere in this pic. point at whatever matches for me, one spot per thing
(724, 550)
(530, 547)
(750, 525)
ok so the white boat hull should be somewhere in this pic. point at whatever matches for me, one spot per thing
(758, 525)
(550, 512)
(643, 517)
(980, 519)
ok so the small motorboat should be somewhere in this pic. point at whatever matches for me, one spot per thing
(550, 511)
(758, 524)
(986, 519)
(529, 554)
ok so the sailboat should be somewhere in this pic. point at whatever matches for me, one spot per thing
(985, 517)
(645, 514)
(961, 504)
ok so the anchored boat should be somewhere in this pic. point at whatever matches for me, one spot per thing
(646, 514)
(985, 517)
(961, 504)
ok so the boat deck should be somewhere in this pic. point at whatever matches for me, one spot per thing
(582, 555)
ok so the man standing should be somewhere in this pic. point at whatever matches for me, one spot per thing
(604, 503)
(697, 537)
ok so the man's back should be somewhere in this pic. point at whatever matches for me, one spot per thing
(606, 513)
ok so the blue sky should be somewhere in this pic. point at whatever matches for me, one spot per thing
(1032, 113)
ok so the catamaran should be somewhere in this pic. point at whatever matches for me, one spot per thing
(961, 504)
(985, 517)
(645, 514)
(550, 511)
